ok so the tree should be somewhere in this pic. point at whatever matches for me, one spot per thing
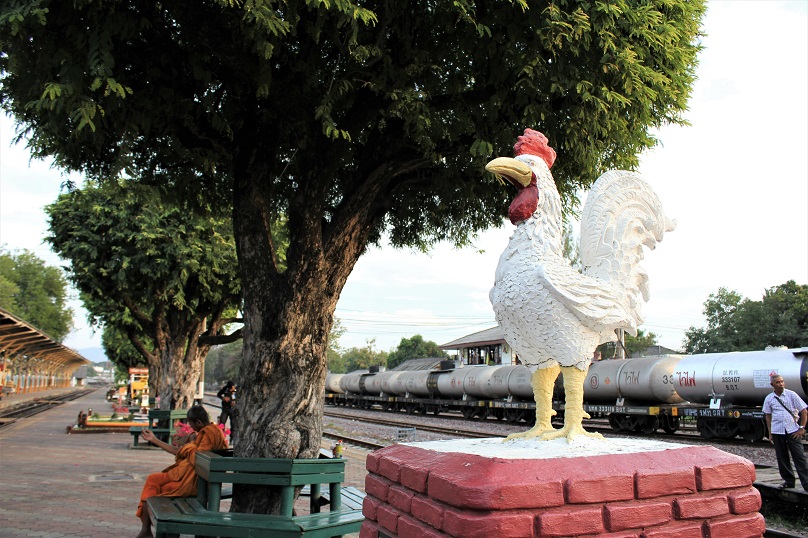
(35, 292)
(336, 361)
(720, 334)
(571, 247)
(634, 344)
(120, 350)
(222, 363)
(362, 358)
(735, 323)
(414, 348)
(153, 271)
(352, 119)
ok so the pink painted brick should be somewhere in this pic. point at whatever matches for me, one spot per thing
(428, 510)
(390, 469)
(700, 506)
(393, 458)
(473, 524)
(744, 501)
(735, 526)
(400, 498)
(377, 486)
(387, 516)
(372, 462)
(557, 521)
(599, 489)
(636, 515)
(676, 529)
(480, 483)
(622, 534)
(649, 484)
(725, 475)
(369, 529)
(414, 477)
(412, 528)
(369, 506)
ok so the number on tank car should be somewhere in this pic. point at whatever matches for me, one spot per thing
(667, 379)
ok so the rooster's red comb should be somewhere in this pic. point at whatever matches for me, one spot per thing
(534, 143)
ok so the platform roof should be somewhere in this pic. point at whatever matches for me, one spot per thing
(488, 337)
(21, 339)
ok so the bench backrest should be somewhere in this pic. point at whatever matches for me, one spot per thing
(214, 469)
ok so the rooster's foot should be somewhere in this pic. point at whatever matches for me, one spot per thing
(570, 432)
(535, 431)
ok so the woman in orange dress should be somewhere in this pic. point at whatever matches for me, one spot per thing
(179, 480)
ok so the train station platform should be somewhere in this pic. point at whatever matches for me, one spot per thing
(59, 485)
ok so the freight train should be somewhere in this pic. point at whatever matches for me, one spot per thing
(721, 392)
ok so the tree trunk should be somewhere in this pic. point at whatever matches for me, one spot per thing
(287, 318)
(182, 365)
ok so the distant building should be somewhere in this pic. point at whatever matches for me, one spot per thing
(484, 347)
(489, 347)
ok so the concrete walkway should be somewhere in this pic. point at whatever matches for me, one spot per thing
(56, 485)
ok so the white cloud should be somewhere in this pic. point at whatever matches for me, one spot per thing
(736, 181)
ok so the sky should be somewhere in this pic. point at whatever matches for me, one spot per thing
(736, 181)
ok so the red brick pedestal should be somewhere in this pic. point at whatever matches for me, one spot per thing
(687, 492)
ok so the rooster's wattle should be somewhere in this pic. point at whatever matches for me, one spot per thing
(552, 315)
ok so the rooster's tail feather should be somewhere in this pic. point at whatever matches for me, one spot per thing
(621, 215)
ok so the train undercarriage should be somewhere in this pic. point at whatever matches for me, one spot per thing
(726, 423)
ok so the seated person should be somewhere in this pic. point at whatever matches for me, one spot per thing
(179, 480)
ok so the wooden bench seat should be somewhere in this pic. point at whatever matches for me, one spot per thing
(185, 515)
(201, 516)
(161, 423)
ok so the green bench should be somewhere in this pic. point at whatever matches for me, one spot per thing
(201, 516)
(161, 433)
(161, 424)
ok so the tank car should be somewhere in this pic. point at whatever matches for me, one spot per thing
(332, 383)
(740, 378)
(722, 392)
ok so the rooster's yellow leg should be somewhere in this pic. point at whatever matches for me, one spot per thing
(574, 413)
(542, 382)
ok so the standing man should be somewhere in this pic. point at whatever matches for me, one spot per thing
(786, 416)
(227, 394)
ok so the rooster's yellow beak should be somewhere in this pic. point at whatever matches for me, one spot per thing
(511, 169)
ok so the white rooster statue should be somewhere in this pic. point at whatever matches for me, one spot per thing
(553, 316)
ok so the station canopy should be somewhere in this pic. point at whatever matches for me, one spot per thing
(19, 339)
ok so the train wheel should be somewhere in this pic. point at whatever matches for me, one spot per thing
(421, 410)
(411, 408)
(648, 425)
(706, 428)
(670, 424)
(482, 413)
(623, 423)
(513, 415)
(468, 413)
(752, 431)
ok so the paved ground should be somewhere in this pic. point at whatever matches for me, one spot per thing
(56, 485)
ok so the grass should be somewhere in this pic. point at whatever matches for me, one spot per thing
(786, 517)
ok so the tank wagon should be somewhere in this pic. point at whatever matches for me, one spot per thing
(721, 392)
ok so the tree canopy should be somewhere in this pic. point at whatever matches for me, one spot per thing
(35, 292)
(414, 348)
(735, 323)
(351, 119)
(151, 271)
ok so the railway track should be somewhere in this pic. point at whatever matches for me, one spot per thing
(38, 405)
(690, 435)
